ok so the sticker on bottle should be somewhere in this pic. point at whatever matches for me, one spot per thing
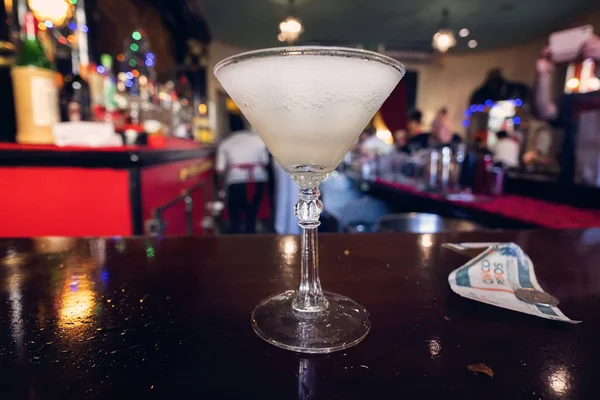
(44, 99)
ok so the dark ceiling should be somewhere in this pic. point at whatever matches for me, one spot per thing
(407, 24)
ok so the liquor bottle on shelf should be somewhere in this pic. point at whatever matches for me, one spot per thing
(35, 89)
(7, 61)
(109, 87)
(75, 98)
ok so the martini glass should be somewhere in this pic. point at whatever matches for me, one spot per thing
(309, 104)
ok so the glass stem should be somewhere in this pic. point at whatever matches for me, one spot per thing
(310, 295)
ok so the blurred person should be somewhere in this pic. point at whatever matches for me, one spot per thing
(413, 125)
(286, 196)
(417, 139)
(506, 150)
(399, 139)
(240, 164)
(441, 131)
(578, 114)
(372, 146)
(540, 146)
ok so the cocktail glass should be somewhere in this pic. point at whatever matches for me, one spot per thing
(309, 104)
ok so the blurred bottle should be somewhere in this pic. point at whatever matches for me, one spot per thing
(75, 97)
(109, 88)
(7, 61)
(35, 90)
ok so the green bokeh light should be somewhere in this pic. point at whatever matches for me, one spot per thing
(134, 47)
(136, 35)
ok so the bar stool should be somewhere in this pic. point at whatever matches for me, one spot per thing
(423, 223)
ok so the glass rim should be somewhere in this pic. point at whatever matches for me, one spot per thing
(331, 51)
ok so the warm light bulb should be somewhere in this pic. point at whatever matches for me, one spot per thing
(290, 29)
(464, 32)
(573, 83)
(385, 136)
(55, 11)
(293, 26)
(443, 40)
(472, 44)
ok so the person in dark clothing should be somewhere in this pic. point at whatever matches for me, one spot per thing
(417, 139)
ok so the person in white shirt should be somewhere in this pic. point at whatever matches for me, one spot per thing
(241, 161)
(373, 146)
(506, 150)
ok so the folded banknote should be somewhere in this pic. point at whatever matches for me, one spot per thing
(502, 275)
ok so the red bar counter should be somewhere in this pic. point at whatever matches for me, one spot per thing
(129, 190)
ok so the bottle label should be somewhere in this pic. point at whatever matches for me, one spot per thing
(44, 95)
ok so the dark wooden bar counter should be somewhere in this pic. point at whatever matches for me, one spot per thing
(170, 318)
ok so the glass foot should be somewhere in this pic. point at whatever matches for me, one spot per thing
(343, 324)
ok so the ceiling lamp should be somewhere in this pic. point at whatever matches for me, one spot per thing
(444, 38)
(290, 28)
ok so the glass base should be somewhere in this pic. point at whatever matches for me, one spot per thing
(342, 325)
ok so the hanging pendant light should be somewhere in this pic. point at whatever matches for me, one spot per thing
(444, 38)
(290, 28)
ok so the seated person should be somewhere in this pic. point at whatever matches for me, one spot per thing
(417, 139)
(441, 131)
(506, 150)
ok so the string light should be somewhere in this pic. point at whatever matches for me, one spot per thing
(41, 26)
(73, 2)
(518, 102)
(121, 57)
(143, 80)
(466, 122)
(481, 108)
(134, 47)
(136, 73)
(62, 40)
(464, 32)
(136, 35)
(72, 26)
(489, 103)
(129, 83)
(129, 75)
(472, 43)
(473, 108)
(100, 69)
(150, 56)
(132, 63)
(149, 63)
(84, 28)
(71, 39)
(48, 24)
(517, 120)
